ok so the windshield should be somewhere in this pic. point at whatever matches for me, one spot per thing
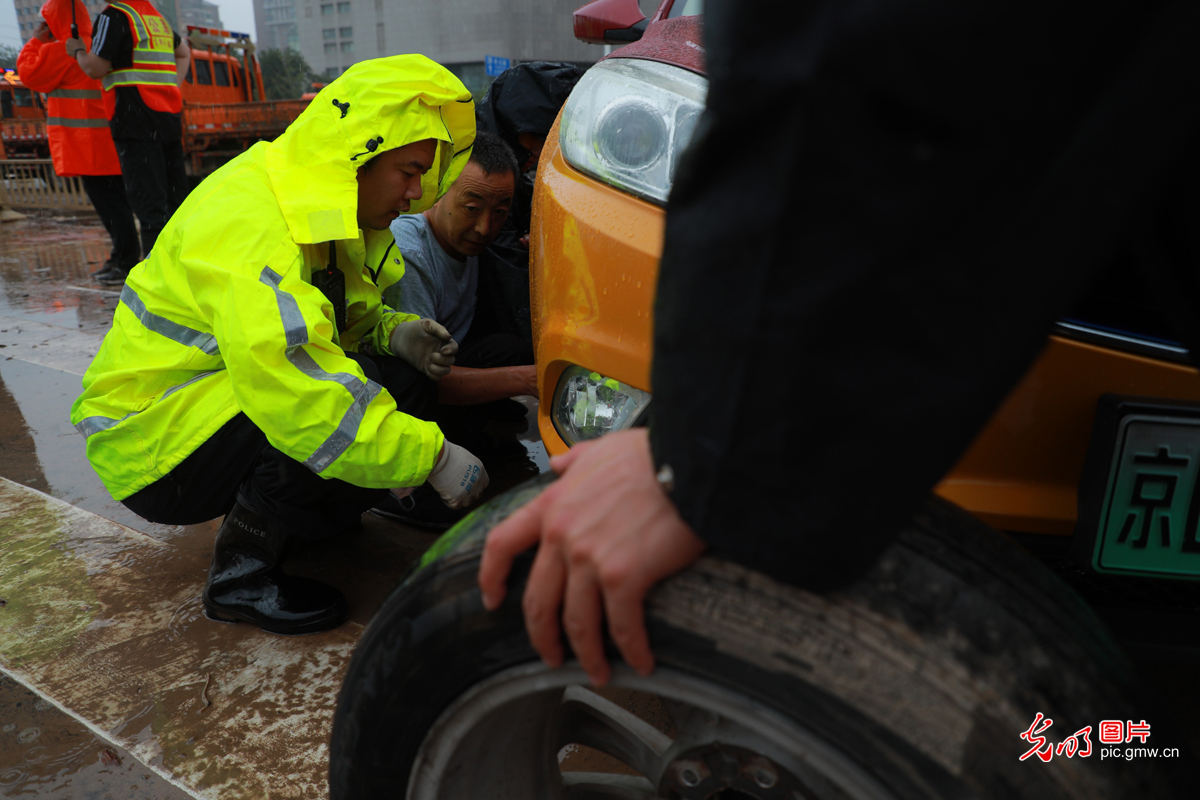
(686, 8)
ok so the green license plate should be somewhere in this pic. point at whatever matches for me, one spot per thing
(1148, 519)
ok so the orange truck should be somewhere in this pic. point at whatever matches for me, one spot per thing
(224, 106)
(22, 120)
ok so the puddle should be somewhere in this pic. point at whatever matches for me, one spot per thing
(45, 753)
(45, 273)
(39, 448)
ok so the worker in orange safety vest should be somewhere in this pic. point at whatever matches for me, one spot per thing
(77, 126)
(140, 62)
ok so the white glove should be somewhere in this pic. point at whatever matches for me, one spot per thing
(426, 345)
(458, 476)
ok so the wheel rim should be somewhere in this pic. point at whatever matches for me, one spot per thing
(505, 737)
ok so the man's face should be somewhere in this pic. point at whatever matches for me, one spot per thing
(468, 218)
(389, 182)
(534, 144)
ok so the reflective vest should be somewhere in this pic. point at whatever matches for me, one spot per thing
(153, 68)
(76, 124)
(223, 318)
(77, 127)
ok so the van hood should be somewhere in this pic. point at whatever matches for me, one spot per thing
(373, 107)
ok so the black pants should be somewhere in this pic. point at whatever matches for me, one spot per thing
(463, 425)
(107, 193)
(238, 463)
(503, 297)
(493, 350)
(155, 182)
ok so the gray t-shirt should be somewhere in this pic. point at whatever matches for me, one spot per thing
(435, 285)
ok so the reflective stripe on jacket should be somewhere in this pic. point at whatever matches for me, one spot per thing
(153, 70)
(76, 124)
(223, 318)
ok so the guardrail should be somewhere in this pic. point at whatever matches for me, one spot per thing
(32, 183)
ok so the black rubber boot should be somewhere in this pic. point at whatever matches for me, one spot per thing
(246, 583)
(421, 509)
(112, 277)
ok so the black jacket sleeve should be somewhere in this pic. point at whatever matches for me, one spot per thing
(883, 211)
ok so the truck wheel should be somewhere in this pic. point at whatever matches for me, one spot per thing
(916, 682)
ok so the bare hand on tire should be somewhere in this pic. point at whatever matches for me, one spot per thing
(607, 533)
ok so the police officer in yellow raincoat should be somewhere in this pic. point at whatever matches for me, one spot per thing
(252, 369)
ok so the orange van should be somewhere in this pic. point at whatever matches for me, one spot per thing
(597, 237)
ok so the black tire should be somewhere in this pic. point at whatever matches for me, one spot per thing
(922, 675)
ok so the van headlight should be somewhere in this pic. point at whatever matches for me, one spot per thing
(628, 121)
(588, 405)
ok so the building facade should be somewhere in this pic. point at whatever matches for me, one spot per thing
(334, 34)
(198, 12)
(275, 23)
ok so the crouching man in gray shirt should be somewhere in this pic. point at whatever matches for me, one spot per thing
(441, 250)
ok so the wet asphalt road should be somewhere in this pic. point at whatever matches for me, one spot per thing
(53, 317)
(50, 309)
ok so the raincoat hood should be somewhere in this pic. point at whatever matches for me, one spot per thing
(375, 106)
(57, 14)
(526, 99)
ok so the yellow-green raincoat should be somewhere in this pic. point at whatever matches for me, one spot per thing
(223, 317)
